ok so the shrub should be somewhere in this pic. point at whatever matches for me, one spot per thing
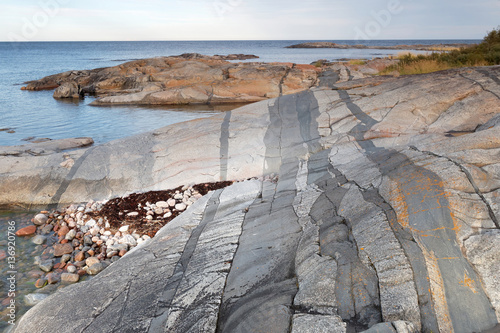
(486, 53)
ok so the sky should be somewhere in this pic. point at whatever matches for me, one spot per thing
(96, 20)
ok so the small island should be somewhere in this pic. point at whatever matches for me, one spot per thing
(416, 47)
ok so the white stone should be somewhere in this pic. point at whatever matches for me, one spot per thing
(91, 223)
(180, 207)
(162, 204)
(124, 228)
(71, 234)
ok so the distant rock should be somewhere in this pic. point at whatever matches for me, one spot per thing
(67, 90)
(186, 79)
(417, 47)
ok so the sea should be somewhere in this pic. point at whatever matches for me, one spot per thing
(28, 114)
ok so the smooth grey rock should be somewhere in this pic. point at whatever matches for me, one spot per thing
(95, 268)
(39, 240)
(46, 265)
(40, 219)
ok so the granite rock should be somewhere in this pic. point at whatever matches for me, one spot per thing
(374, 207)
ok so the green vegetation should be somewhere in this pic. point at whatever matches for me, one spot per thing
(357, 62)
(486, 53)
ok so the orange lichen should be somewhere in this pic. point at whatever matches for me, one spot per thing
(469, 283)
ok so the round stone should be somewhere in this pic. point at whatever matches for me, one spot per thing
(71, 269)
(91, 261)
(70, 277)
(180, 207)
(95, 268)
(39, 240)
(71, 234)
(162, 204)
(124, 228)
(40, 219)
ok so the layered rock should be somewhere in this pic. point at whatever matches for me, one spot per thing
(378, 211)
(185, 79)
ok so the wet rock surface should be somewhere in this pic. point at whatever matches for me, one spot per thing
(375, 207)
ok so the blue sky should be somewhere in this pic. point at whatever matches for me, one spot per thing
(49, 20)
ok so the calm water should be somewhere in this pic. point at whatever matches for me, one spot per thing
(37, 114)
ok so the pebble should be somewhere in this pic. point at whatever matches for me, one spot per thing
(41, 282)
(46, 266)
(95, 268)
(71, 234)
(128, 239)
(71, 269)
(39, 240)
(159, 211)
(124, 228)
(40, 219)
(90, 223)
(122, 253)
(65, 258)
(35, 274)
(53, 278)
(80, 256)
(70, 277)
(112, 254)
(61, 249)
(47, 229)
(171, 202)
(26, 231)
(149, 217)
(91, 261)
(63, 231)
(34, 299)
(167, 215)
(162, 204)
(133, 214)
(180, 207)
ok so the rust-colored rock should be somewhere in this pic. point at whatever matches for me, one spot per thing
(26, 231)
(80, 256)
(61, 249)
(63, 231)
(185, 79)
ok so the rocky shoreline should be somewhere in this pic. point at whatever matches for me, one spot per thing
(382, 213)
(82, 240)
(416, 47)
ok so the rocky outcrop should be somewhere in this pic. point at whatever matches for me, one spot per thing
(417, 47)
(375, 208)
(45, 147)
(186, 79)
(67, 90)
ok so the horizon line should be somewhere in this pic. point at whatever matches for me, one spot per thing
(235, 40)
